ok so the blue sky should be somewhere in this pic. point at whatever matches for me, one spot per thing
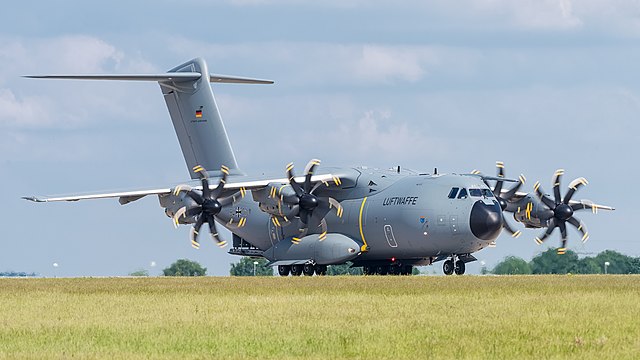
(537, 84)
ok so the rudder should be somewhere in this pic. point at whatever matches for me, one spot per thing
(197, 121)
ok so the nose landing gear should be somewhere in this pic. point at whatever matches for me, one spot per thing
(453, 265)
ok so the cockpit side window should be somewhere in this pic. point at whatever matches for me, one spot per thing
(475, 192)
(453, 193)
(462, 194)
(487, 193)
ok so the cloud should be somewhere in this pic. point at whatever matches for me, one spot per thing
(334, 63)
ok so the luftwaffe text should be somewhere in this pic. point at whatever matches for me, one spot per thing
(400, 200)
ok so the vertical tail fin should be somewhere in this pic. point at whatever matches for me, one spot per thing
(196, 118)
(193, 110)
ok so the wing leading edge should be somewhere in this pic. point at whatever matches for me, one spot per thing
(131, 195)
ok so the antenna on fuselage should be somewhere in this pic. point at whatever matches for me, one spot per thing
(435, 171)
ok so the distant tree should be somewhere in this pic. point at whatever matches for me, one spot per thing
(17, 274)
(141, 272)
(512, 265)
(244, 267)
(549, 262)
(344, 269)
(415, 271)
(588, 265)
(618, 263)
(184, 267)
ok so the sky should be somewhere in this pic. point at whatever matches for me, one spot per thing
(538, 84)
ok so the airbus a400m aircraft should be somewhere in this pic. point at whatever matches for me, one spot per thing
(386, 221)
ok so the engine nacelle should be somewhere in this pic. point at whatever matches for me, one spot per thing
(531, 212)
(269, 199)
(173, 203)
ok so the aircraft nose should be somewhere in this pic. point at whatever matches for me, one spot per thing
(486, 220)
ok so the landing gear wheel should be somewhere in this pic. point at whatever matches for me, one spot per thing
(447, 267)
(368, 270)
(382, 269)
(284, 270)
(308, 269)
(395, 269)
(407, 270)
(460, 267)
(296, 270)
(321, 270)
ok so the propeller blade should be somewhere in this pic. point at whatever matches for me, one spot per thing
(563, 229)
(334, 204)
(223, 180)
(544, 198)
(581, 227)
(177, 215)
(229, 200)
(214, 232)
(194, 232)
(296, 187)
(179, 188)
(323, 233)
(509, 194)
(498, 189)
(506, 226)
(308, 170)
(196, 197)
(204, 178)
(573, 187)
(557, 176)
(545, 235)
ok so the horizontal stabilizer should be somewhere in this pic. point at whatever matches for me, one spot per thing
(172, 76)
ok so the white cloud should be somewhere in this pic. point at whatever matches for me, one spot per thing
(336, 63)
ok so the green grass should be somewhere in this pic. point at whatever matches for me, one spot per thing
(322, 318)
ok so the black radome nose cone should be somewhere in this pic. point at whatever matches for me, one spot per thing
(486, 220)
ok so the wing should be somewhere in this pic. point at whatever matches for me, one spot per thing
(132, 195)
(585, 203)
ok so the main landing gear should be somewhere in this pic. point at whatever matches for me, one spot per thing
(387, 269)
(306, 269)
(453, 265)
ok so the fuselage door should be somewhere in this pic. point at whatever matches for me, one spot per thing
(388, 233)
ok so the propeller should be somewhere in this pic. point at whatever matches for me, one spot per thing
(560, 211)
(306, 204)
(504, 198)
(209, 204)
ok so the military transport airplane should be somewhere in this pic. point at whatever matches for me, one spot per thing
(386, 221)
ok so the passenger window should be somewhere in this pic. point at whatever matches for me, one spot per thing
(475, 192)
(453, 193)
(463, 194)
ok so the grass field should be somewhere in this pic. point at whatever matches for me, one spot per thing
(322, 317)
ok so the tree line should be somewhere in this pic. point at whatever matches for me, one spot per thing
(549, 262)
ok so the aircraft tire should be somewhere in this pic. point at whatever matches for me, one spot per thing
(308, 269)
(447, 267)
(321, 270)
(395, 269)
(296, 270)
(460, 267)
(382, 270)
(368, 270)
(284, 270)
(406, 270)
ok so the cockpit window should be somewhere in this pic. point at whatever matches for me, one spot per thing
(453, 193)
(487, 193)
(475, 192)
(462, 194)
(480, 193)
